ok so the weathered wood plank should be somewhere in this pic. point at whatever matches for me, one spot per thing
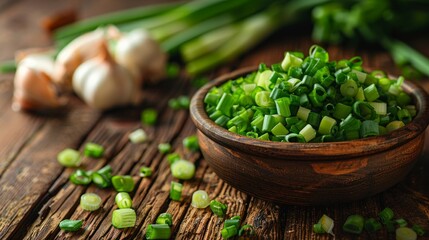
(29, 177)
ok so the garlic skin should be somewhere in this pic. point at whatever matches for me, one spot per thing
(104, 84)
(33, 86)
(79, 50)
(142, 56)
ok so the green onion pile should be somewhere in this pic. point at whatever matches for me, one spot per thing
(311, 99)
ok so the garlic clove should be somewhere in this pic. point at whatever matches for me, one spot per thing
(34, 90)
(103, 84)
(82, 48)
(141, 55)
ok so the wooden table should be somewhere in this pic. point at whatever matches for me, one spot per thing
(35, 192)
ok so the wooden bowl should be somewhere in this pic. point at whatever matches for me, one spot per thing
(310, 173)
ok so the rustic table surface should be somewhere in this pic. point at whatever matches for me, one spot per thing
(35, 192)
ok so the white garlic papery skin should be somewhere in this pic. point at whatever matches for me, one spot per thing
(142, 55)
(33, 86)
(79, 50)
(104, 84)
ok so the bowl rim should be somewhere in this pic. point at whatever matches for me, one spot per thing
(308, 151)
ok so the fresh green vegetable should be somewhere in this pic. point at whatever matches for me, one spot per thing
(181, 102)
(149, 116)
(80, 177)
(172, 157)
(200, 199)
(386, 215)
(354, 224)
(229, 232)
(69, 158)
(102, 177)
(327, 224)
(138, 136)
(90, 201)
(8, 66)
(419, 230)
(246, 230)
(375, 22)
(176, 191)
(165, 218)
(405, 233)
(70, 225)
(183, 169)
(191, 143)
(372, 225)
(218, 208)
(145, 172)
(124, 218)
(123, 200)
(158, 231)
(327, 101)
(164, 148)
(123, 183)
(93, 150)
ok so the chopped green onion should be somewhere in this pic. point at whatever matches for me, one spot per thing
(333, 98)
(182, 102)
(80, 177)
(145, 172)
(70, 225)
(354, 224)
(369, 128)
(93, 150)
(246, 230)
(379, 107)
(294, 137)
(69, 158)
(401, 222)
(394, 125)
(229, 232)
(263, 99)
(200, 199)
(327, 224)
(90, 201)
(303, 113)
(124, 218)
(183, 169)
(176, 191)
(123, 183)
(218, 208)
(191, 143)
(102, 177)
(123, 200)
(234, 221)
(386, 215)
(165, 218)
(419, 230)
(405, 233)
(149, 116)
(172, 157)
(138, 136)
(349, 88)
(372, 225)
(158, 231)
(326, 125)
(364, 110)
(317, 228)
(308, 133)
(371, 93)
(164, 148)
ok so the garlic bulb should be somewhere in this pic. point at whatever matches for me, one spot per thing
(78, 51)
(141, 55)
(33, 86)
(103, 84)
